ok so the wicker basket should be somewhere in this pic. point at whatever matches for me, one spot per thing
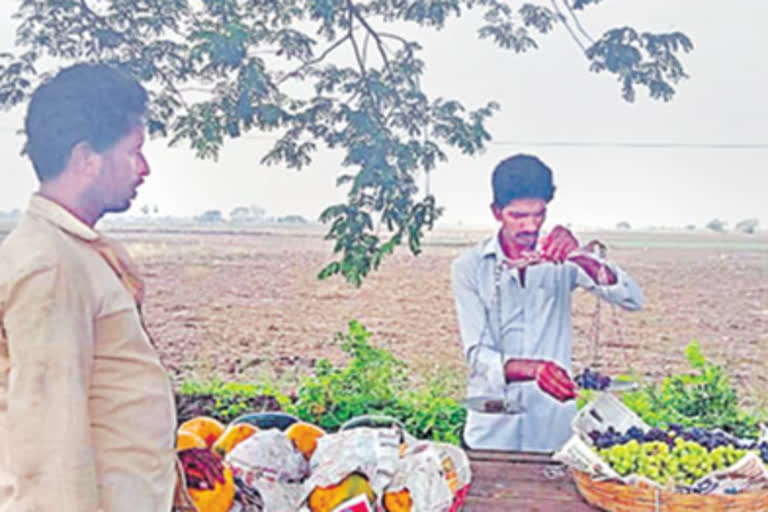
(617, 497)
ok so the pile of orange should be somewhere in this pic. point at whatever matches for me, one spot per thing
(207, 432)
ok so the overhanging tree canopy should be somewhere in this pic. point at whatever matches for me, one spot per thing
(218, 69)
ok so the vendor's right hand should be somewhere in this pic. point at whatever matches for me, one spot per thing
(554, 380)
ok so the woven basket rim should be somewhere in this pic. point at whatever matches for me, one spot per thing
(614, 495)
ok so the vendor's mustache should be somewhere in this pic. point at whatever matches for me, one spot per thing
(528, 238)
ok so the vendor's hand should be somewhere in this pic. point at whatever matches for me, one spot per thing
(548, 375)
(202, 469)
(558, 244)
(596, 270)
(555, 381)
(527, 259)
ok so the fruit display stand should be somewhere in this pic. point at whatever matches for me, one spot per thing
(615, 495)
(515, 481)
(506, 481)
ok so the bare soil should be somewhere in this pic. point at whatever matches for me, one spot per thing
(247, 305)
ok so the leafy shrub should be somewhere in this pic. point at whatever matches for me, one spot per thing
(705, 398)
(373, 381)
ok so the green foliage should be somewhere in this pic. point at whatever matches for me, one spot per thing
(704, 398)
(219, 69)
(375, 382)
(641, 59)
(226, 401)
(372, 381)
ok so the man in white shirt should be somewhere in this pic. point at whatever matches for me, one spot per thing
(513, 302)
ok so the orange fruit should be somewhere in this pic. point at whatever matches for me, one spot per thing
(218, 499)
(399, 501)
(208, 429)
(232, 436)
(304, 437)
(325, 499)
(186, 440)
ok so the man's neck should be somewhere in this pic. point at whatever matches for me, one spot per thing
(87, 214)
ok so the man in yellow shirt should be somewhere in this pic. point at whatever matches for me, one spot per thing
(87, 416)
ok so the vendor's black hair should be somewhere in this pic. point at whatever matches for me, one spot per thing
(521, 176)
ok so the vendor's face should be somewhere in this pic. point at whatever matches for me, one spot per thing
(521, 220)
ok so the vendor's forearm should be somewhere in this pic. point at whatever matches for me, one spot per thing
(594, 269)
(518, 370)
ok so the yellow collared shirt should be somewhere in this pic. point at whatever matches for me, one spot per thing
(87, 416)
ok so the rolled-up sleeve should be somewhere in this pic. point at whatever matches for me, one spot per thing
(48, 329)
(625, 292)
(483, 359)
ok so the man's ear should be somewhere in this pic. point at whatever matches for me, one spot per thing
(496, 211)
(84, 161)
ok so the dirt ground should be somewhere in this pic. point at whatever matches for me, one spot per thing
(248, 305)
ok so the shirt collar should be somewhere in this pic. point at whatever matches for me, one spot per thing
(60, 217)
(492, 247)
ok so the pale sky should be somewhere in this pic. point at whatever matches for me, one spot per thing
(547, 95)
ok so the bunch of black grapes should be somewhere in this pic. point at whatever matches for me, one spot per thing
(589, 379)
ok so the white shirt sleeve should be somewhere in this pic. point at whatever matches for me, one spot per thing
(482, 357)
(625, 292)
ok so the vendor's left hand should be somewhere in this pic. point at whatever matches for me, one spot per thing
(555, 381)
(202, 469)
(558, 244)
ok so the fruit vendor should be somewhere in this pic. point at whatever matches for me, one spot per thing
(513, 302)
(87, 415)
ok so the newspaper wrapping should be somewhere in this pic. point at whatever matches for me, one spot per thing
(372, 452)
(579, 455)
(275, 496)
(268, 455)
(747, 474)
(433, 473)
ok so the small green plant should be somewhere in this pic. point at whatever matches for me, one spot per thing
(372, 381)
(375, 382)
(704, 398)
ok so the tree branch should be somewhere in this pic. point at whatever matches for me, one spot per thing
(197, 89)
(397, 37)
(91, 13)
(365, 46)
(562, 18)
(359, 58)
(577, 22)
(315, 61)
(351, 36)
(373, 34)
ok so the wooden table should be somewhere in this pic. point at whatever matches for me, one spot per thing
(510, 481)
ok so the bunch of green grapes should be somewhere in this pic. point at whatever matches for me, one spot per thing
(682, 464)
